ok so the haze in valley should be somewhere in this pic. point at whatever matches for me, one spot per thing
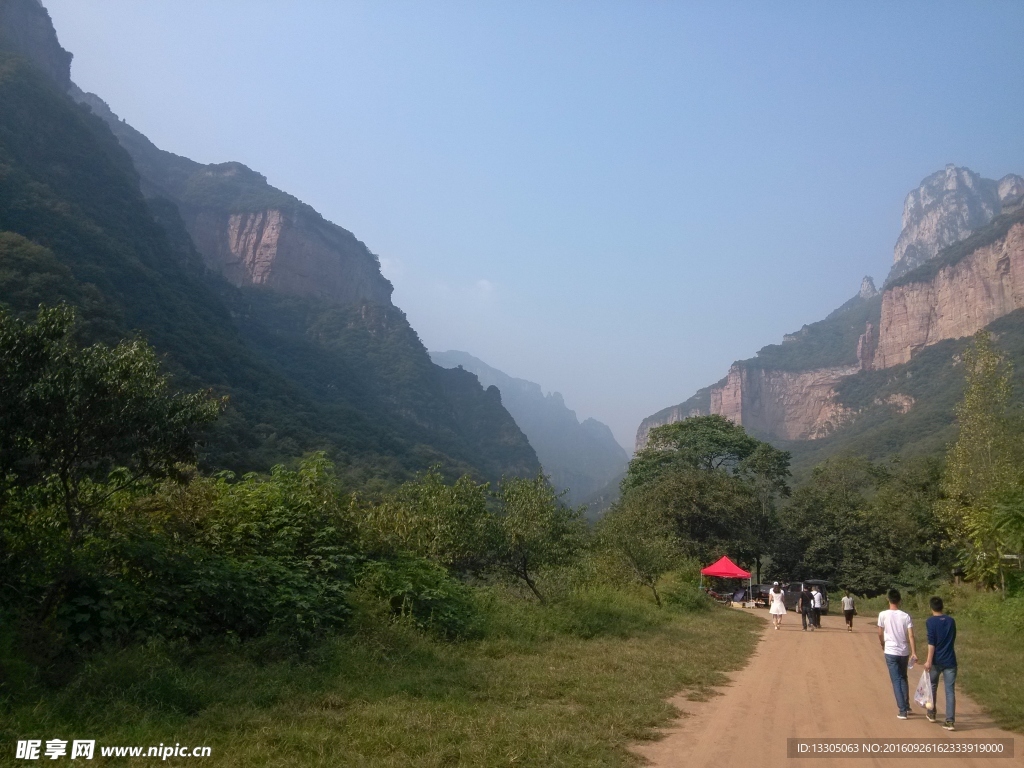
(615, 200)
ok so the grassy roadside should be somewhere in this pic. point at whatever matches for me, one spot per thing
(570, 684)
(990, 654)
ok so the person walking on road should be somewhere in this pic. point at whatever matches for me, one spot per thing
(896, 636)
(805, 605)
(941, 660)
(777, 606)
(848, 610)
(816, 599)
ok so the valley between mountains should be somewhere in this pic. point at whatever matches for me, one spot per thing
(243, 506)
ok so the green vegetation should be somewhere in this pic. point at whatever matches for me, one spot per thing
(300, 376)
(993, 231)
(710, 483)
(864, 526)
(568, 684)
(827, 343)
(284, 618)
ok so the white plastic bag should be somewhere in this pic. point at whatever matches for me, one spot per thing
(923, 694)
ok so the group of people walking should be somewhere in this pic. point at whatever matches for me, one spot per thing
(896, 636)
(808, 605)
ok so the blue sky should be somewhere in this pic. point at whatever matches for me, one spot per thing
(615, 200)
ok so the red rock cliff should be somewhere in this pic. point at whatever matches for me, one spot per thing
(959, 300)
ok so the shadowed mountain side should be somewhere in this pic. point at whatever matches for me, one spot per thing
(582, 458)
(303, 374)
(248, 231)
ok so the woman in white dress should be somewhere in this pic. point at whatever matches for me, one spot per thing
(777, 604)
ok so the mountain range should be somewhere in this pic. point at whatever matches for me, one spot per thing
(239, 286)
(580, 458)
(878, 375)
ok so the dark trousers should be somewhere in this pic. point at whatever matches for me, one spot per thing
(816, 614)
(849, 617)
(898, 675)
(805, 617)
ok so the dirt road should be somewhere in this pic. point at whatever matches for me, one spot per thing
(825, 684)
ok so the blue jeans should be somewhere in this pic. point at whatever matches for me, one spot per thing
(949, 679)
(898, 674)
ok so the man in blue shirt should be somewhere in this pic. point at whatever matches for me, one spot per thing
(942, 659)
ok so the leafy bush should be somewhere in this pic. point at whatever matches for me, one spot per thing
(422, 592)
(680, 591)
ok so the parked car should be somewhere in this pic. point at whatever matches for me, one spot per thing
(794, 588)
(760, 593)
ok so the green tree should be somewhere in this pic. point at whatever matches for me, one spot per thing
(984, 464)
(863, 525)
(642, 540)
(81, 424)
(535, 529)
(717, 484)
(448, 524)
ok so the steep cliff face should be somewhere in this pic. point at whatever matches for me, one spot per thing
(286, 250)
(959, 266)
(786, 405)
(26, 29)
(103, 221)
(958, 301)
(247, 230)
(946, 208)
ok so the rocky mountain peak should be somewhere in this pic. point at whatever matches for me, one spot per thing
(26, 29)
(867, 287)
(946, 208)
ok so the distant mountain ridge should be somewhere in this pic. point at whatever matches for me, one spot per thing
(580, 457)
(959, 267)
(239, 286)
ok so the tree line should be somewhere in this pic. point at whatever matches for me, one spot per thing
(109, 532)
(704, 487)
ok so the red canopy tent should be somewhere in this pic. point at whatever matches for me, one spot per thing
(727, 569)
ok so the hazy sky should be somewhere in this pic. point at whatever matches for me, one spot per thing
(615, 200)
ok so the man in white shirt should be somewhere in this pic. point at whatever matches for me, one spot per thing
(896, 636)
(816, 605)
(848, 610)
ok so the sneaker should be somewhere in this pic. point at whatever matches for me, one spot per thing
(930, 714)
(902, 715)
(949, 725)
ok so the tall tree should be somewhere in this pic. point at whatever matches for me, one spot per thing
(716, 483)
(641, 538)
(535, 529)
(80, 424)
(984, 464)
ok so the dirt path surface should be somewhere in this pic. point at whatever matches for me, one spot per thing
(825, 684)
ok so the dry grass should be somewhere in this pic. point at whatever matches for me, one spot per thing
(548, 686)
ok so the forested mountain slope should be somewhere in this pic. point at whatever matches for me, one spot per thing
(304, 371)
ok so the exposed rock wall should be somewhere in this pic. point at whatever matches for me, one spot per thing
(791, 405)
(287, 251)
(788, 405)
(946, 208)
(953, 301)
(247, 230)
(961, 299)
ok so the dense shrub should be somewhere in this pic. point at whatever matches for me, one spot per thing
(424, 593)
